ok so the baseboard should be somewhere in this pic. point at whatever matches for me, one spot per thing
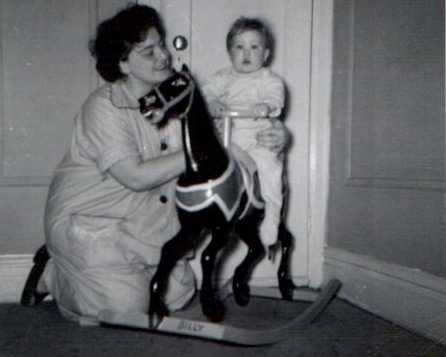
(408, 297)
(13, 272)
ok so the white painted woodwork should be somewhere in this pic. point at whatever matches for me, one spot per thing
(408, 297)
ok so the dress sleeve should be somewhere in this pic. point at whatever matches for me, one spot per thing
(108, 134)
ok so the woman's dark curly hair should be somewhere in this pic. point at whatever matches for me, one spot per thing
(117, 36)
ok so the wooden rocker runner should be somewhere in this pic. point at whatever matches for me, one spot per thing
(218, 194)
(228, 333)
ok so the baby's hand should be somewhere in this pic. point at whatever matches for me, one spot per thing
(261, 110)
(219, 125)
(217, 108)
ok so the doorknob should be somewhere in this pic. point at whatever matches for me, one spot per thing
(179, 43)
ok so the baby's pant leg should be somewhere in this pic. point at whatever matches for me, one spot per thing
(270, 169)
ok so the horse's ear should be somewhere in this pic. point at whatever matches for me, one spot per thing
(185, 68)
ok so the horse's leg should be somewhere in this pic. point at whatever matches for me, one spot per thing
(171, 252)
(248, 231)
(211, 305)
(286, 285)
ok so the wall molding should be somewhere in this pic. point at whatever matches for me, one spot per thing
(25, 181)
(14, 270)
(395, 183)
(408, 297)
(355, 180)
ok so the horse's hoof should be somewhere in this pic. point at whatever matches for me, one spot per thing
(241, 293)
(215, 313)
(157, 311)
(154, 321)
(286, 288)
(212, 307)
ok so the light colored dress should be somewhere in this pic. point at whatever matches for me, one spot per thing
(239, 92)
(105, 239)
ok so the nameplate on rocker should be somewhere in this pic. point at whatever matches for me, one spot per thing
(191, 328)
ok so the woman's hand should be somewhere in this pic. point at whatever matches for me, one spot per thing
(261, 110)
(156, 116)
(275, 138)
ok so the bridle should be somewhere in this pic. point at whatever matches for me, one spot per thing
(168, 104)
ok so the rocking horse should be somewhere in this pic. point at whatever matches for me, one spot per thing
(218, 194)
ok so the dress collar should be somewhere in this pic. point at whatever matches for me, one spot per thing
(121, 97)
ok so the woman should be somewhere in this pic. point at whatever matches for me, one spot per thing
(110, 205)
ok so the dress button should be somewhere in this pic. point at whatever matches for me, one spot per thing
(163, 146)
(163, 199)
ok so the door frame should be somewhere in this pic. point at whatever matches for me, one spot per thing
(319, 150)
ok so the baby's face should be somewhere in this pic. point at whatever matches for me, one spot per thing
(248, 52)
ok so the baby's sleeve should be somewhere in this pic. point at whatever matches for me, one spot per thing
(273, 94)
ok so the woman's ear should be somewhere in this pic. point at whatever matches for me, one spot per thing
(124, 67)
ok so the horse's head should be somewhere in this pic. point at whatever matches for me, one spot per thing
(170, 98)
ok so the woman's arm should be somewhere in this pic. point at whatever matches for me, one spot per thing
(145, 175)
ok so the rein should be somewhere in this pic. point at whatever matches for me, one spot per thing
(190, 89)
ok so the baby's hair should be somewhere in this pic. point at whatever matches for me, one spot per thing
(243, 24)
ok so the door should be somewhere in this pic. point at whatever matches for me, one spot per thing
(205, 23)
(388, 133)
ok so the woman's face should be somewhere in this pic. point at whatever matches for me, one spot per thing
(147, 64)
(248, 52)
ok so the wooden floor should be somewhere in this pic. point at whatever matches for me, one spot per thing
(342, 330)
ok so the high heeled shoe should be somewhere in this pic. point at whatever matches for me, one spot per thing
(30, 295)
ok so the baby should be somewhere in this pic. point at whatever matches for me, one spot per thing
(248, 85)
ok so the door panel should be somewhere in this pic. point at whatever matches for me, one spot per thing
(45, 73)
(388, 133)
(36, 99)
